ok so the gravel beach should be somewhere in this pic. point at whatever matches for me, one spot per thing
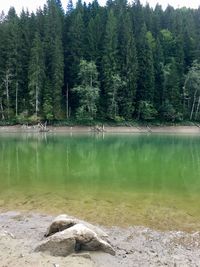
(135, 246)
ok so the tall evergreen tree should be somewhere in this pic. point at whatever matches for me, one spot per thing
(54, 59)
(127, 66)
(110, 87)
(36, 75)
(10, 72)
(58, 77)
(145, 85)
(159, 75)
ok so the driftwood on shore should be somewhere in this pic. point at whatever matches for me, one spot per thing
(98, 129)
(36, 128)
(43, 127)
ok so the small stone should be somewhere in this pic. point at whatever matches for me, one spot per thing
(83, 255)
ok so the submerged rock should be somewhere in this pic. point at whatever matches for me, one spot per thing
(66, 235)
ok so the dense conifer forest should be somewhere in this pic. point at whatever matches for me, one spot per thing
(120, 62)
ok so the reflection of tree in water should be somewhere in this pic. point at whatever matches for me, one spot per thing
(132, 175)
(147, 163)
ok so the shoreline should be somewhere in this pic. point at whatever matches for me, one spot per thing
(107, 129)
(134, 246)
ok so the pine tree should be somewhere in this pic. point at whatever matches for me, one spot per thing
(145, 85)
(54, 59)
(10, 72)
(127, 65)
(24, 49)
(36, 75)
(110, 89)
(75, 44)
(57, 78)
(94, 38)
(159, 75)
(70, 7)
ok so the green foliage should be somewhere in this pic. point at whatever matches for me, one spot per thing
(116, 84)
(169, 113)
(146, 111)
(139, 60)
(128, 67)
(145, 86)
(87, 91)
(192, 89)
(47, 102)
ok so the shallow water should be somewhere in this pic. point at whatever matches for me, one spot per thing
(150, 180)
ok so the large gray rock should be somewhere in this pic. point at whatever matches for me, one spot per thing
(59, 224)
(61, 244)
(63, 222)
(87, 239)
(75, 238)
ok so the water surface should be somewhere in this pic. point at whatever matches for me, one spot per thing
(150, 180)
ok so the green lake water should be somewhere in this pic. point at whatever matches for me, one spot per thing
(150, 180)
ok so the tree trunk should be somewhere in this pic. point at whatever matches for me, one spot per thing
(16, 100)
(6, 81)
(194, 100)
(7, 93)
(2, 111)
(197, 110)
(36, 101)
(67, 102)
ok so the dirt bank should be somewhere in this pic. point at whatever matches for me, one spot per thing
(135, 246)
(107, 129)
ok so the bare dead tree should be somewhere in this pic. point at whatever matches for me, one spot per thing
(197, 109)
(193, 105)
(7, 80)
(67, 102)
(16, 99)
(1, 108)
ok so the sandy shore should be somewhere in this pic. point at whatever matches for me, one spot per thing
(135, 246)
(107, 129)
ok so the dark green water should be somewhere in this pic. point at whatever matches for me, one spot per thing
(151, 180)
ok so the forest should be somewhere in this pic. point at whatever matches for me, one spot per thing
(120, 62)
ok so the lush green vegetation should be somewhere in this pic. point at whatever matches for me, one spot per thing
(118, 63)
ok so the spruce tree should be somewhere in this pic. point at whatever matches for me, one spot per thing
(54, 58)
(127, 66)
(159, 75)
(36, 75)
(145, 82)
(10, 69)
(57, 78)
(111, 77)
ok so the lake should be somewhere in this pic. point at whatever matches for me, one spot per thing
(123, 180)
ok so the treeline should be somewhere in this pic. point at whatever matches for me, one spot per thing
(119, 62)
